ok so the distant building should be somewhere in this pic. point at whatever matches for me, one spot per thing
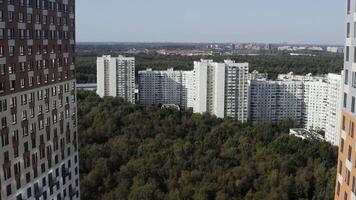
(221, 88)
(87, 86)
(165, 87)
(271, 101)
(335, 49)
(306, 134)
(116, 77)
(268, 46)
(315, 48)
(313, 101)
(255, 75)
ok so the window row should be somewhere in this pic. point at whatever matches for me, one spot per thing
(41, 95)
(38, 19)
(29, 34)
(41, 4)
(34, 66)
(42, 123)
(14, 85)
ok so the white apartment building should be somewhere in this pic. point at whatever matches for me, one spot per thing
(116, 77)
(164, 87)
(221, 88)
(275, 100)
(237, 90)
(313, 101)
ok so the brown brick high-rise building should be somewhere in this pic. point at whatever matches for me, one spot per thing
(38, 134)
(346, 171)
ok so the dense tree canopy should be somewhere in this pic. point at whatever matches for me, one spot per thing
(272, 64)
(132, 152)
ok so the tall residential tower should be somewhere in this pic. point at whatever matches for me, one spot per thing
(346, 171)
(222, 89)
(116, 77)
(38, 129)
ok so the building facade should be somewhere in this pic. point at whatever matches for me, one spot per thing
(39, 139)
(271, 101)
(237, 90)
(116, 77)
(346, 172)
(161, 87)
(312, 101)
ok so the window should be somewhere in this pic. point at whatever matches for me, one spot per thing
(3, 122)
(348, 30)
(22, 50)
(354, 79)
(349, 153)
(2, 69)
(352, 129)
(10, 16)
(342, 145)
(7, 173)
(2, 87)
(29, 192)
(3, 105)
(348, 6)
(345, 196)
(10, 34)
(1, 16)
(353, 105)
(347, 178)
(347, 54)
(340, 167)
(5, 139)
(2, 31)
(12, 84)
(346, 78)
(11, 50)
(8, 190)
(345, 100)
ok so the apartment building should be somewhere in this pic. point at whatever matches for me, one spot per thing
(346, 172)
(39, 139)
(321, 102)
(315, 104)
(162, 87)
(271, 101)
(221, 88)
(116, 77)
(237, 90)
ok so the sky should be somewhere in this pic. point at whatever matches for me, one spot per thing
(270, 21)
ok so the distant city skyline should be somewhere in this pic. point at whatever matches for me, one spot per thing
(275, 21)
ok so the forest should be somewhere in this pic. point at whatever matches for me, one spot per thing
(142, 153)
(271, 64)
